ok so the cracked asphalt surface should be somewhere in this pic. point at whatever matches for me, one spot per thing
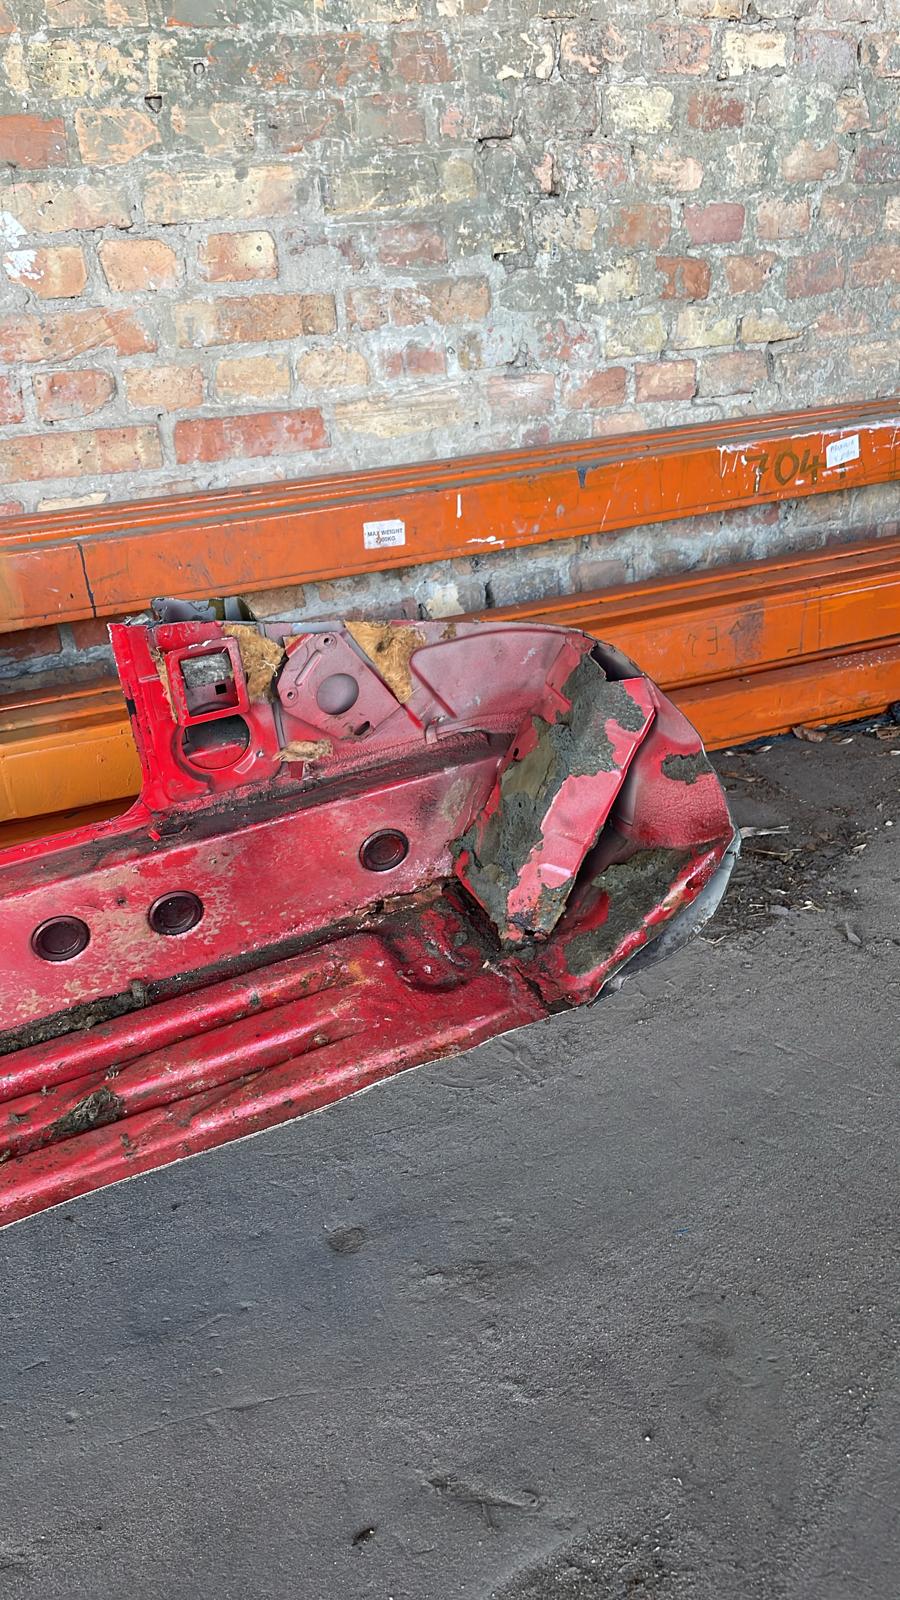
(601, 1310)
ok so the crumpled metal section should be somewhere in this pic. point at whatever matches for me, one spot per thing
(358, 846)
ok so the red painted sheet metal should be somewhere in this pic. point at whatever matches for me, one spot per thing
(282, 918)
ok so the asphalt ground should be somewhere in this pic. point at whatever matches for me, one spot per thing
(606, 1308)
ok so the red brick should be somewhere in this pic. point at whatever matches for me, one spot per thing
(92, 631)
(642, 224)
(817, 274)
(878, 163)
(295, 125)
(410, 244)
(114, 135)
(253, 319)
(62, 396)
(569, 343)
(604, 163)
(367, 309)
(245, 378)
(133, 265)
(596, 391)
(420, 58)
(395, 118)
(682, 50)
(232, 195)
(237, 257)
(665, 380)
(168, 388)
(30, 143)
(267, 433)
(747, 274)
(79, 454)
(50, 272)
(879, 265)
(521, 394)
(331, 60)
(720, 222)
(618, 422)
(62, 335)
(687, 277)
(29, 644)
(737, 372)
(782, 219)
(597, 572)
(847, 214)
(423, 361)
(447, 300)
(881, 51)
(591, 45)
(59, 205)
(329, 366)
(838, 321)
(826, 54)
(809, 163)
(711, 110)
(11, 408)
(477, 114)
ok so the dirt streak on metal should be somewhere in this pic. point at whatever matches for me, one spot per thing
(574, 745)
(96, 1110)
(633, 889)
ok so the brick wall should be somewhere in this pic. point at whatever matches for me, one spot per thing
(243, 242)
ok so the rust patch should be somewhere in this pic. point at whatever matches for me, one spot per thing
(97, 1110)
(686, 769)
(305, 750)
(389, 648)
(260, 657)
(162, 671)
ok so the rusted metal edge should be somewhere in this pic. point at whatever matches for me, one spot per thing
(77, 564)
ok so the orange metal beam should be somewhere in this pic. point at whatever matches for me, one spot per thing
(73, 748)
(826, 689)
(71, 565)
(712, 625)
(745, 650)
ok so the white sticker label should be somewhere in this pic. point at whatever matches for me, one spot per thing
(841, 450)
(382, 535)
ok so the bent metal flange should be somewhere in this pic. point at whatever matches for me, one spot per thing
(358, 846)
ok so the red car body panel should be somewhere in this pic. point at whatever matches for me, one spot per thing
(358, 846)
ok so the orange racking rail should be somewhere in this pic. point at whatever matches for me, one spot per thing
(746, 651)
(71, 565)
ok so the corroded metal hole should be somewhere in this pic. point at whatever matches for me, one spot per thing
(175, 913)
(60, 938)
(384, 850)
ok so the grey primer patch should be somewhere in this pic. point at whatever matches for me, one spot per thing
(95, 1111)
(634, 888)
(686, 769)
(575, 745)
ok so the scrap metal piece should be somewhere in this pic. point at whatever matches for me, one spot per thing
(357, 847)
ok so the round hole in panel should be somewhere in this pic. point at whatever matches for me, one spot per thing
(337, 693)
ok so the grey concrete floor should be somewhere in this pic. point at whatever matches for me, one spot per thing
(606, 1308)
